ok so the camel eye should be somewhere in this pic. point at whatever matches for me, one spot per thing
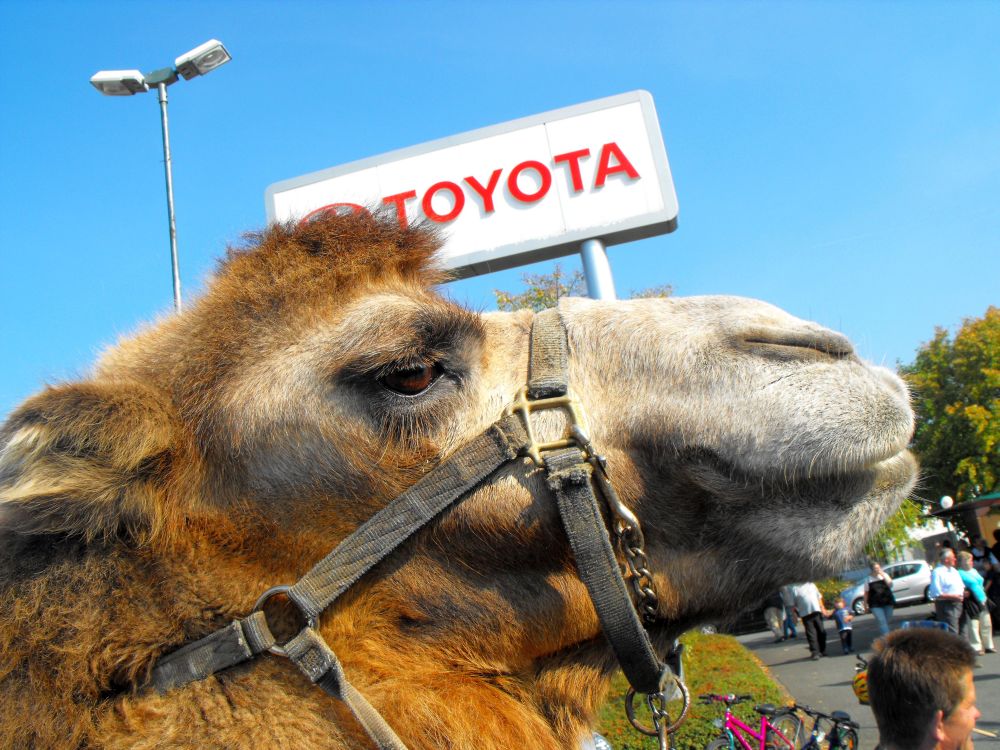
(413, 380)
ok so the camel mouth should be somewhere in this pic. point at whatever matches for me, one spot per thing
(732, 483)
(898, 470)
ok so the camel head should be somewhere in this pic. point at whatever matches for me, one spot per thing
(322, 373)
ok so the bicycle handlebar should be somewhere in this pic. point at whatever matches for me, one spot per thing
(820, 715)
(728, 699)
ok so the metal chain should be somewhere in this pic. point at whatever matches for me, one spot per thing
(631, 542)
(628, 534)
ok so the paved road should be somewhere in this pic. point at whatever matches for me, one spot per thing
(827, 684)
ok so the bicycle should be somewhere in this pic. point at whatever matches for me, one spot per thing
(842, 733)
(779, 726)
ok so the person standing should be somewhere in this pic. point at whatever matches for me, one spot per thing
(774, 610)
(843, 618)
(809, 607)
(991, 585)
(947, 590)
(981, 555)
(879, 597)
(978, 627)
(788, 627)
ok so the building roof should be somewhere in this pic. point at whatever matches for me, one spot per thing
(991, 500)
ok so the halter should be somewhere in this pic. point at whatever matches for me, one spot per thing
(572, 470)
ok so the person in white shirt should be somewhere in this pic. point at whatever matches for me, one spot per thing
(809, 607)
(947, 590)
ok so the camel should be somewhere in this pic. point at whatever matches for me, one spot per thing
(225, 450)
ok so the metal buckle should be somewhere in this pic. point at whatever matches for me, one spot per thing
(577, 434)
(657, 703)
(311, 622)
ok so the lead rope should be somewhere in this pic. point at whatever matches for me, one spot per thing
(571, 465)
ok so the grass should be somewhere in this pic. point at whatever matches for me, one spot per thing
(712, 664)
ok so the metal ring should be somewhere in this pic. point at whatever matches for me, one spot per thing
(311, 622)
(670, 729)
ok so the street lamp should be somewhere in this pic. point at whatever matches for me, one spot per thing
(201, 60)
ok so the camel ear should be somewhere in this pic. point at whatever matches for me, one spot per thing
(89, 459)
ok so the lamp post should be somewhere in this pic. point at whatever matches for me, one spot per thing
(201, 60)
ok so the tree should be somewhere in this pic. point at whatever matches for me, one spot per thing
(956, 388)
(894, 535)
(544, 290)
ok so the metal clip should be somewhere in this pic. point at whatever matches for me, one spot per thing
(657, 703)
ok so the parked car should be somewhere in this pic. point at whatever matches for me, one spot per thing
(911, 581)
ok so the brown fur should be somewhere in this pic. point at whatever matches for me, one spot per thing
(227, 449)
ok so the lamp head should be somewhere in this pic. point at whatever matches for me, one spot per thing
(946, 502)
(202, 59)
(119, 82)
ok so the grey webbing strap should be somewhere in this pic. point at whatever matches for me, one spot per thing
(351, 559)
(549, 358)
(238, 641)
(399, 520)
(598, 568)
(316, 659)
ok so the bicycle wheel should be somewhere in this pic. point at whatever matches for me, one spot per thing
(785, 733)
(848, 740)
(719, 743)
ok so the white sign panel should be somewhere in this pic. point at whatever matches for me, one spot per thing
(514, 193)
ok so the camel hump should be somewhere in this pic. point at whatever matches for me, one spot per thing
(87, 460)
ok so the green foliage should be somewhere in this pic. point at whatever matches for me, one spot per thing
(894, 536)
(830, 589)
(712, 664)
(956, 385)
(545, 289)
(660, 290)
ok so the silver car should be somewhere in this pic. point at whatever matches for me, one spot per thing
(911, 581)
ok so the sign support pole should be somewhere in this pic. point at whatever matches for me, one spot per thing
(597, 270)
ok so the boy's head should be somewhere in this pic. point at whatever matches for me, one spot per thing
(921, 691)
(839, 602)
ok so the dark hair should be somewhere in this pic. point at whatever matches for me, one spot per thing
(913, 674)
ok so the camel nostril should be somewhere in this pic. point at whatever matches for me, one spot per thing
(798, 342)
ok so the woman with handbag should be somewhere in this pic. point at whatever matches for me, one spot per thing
(978, 628)
(879, 597)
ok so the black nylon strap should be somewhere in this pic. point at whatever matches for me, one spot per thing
(399, 520)
(598, 568)
(238, 641)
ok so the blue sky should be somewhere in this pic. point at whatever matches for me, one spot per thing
(841, 160)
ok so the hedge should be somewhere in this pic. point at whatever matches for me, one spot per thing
(712, 664)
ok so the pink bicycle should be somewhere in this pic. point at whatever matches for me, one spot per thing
(780, 728)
